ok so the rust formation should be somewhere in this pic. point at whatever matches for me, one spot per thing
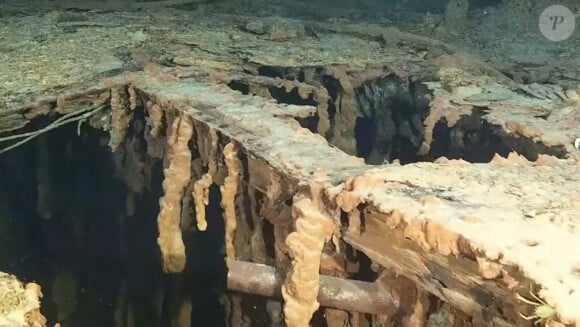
(406, 189)
(20, 303)
(396, 203)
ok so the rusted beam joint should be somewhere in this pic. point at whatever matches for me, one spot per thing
(339, 293)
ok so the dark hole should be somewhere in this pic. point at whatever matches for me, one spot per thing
(271, 71)
(390, 122)
(362, 208)
(62, 210)
(206, 265)
(64, 224)
(239, 86)
(290, 73)
(344, 219)
(365, 272)
(390, 119)
(364, 134)
(389, 126)
(473, 139)
(292, 97)
(268, 234)
(332, 85)
(319, 318)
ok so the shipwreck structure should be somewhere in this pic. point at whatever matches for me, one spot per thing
(323, 173)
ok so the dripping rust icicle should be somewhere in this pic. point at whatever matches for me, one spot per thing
(201, 199)
(201, 187)
(229, 191)
(176, 177)
(301, 286)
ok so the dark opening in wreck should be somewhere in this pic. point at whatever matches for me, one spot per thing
(392, 114)
(159, 125)
(86, 218)
(80, 220)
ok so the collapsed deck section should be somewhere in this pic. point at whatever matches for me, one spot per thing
(483, 211)
(474, 235)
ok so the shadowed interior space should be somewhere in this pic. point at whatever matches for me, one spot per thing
(81, 221)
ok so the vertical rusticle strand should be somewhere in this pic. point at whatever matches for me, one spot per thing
(301, 286)
(229, 191)
(176, 177)
(201, 199)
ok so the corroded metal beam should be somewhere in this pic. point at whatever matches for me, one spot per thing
(345, 294)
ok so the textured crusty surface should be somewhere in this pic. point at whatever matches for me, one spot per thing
(252, 121)
(512, 213)
(515, 213)
(176, 176)
(545, 114)
(39, 40)
(36, 50)
(19, 303)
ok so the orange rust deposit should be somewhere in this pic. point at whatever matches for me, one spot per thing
(176, 177)
(229, 191)
(201, 199)
(301, 286)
